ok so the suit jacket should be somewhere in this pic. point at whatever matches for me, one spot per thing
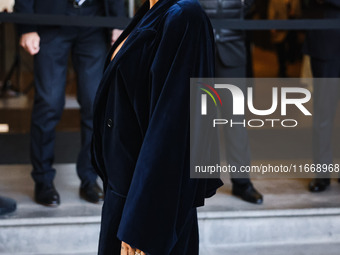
(325, 44)
(142, 122)
(112, 8)
(230, 47)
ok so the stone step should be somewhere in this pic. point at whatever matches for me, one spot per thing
(265, 228)
(265, 233)
(59, 235)
(284, 249)
(291, 220)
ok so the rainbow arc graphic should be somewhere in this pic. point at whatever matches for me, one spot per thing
(210, 94)
(209, 90)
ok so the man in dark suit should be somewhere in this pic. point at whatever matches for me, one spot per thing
(323, 46)
(231, 62)
(51, 46)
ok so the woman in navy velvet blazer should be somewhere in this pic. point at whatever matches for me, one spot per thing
(141, 131)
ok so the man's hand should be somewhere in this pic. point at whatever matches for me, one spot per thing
(30, 42)
(115, 34)
(128, 250)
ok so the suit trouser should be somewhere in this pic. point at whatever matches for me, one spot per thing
(281, 53)
(88, 47)
(326, 96)
(237, 144)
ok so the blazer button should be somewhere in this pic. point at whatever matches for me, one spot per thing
(109, 123)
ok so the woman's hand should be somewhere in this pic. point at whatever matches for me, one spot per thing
(128, 250)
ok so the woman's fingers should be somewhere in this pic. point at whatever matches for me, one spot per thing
(139, 252)
(128, 250)
(124, 249)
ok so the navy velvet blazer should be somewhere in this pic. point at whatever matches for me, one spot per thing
(141, 121)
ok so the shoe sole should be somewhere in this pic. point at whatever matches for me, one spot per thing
(251, 202)
(83, 197)
(48, 205)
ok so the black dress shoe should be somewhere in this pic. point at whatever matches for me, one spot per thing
(7, 205)
(91, 193)
(318, 185)
(46, 194)
(247, 193)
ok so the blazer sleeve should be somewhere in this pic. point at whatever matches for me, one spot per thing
(162, 194)
(25, 6)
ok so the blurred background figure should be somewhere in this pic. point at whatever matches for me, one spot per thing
(7, 205)
(323, 46)
(51, 46)
(285, 41)
(231, 62)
